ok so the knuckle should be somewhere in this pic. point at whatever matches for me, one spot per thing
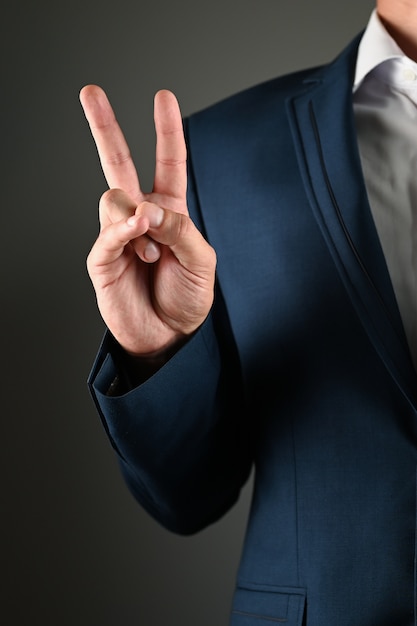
(107, 200)
(119, 158)
(112, 196)
(90, 261)
(182, 225)
(212, 256)
(115, 204)
(171, 162)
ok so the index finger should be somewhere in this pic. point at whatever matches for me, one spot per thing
(113, 150)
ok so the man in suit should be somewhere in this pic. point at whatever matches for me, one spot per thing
(261, 307)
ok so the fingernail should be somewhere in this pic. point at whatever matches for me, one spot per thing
(151, 252)
(156, 215)
(132, 220)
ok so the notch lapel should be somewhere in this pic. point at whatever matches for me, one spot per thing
(323, 127)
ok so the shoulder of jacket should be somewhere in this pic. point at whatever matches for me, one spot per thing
(273, 92)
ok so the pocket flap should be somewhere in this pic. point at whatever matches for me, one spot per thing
(256, 605)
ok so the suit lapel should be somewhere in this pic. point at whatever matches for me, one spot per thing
(324, 132)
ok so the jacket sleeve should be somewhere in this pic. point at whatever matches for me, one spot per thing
(181, 437)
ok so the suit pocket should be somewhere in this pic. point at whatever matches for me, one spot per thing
(264, 605)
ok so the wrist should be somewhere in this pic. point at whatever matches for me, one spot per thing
(140, 367)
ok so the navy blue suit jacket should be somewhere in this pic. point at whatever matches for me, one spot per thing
(302, 369)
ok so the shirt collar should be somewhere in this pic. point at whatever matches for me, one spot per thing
(376, 46)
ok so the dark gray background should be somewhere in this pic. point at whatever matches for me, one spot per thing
(76, 549)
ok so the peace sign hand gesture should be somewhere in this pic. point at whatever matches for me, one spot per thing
(152, 270)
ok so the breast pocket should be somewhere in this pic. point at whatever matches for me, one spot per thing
(261, 605)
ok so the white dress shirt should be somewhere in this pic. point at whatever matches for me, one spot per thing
(385, 105)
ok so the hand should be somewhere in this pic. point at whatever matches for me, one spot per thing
(152, 270)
